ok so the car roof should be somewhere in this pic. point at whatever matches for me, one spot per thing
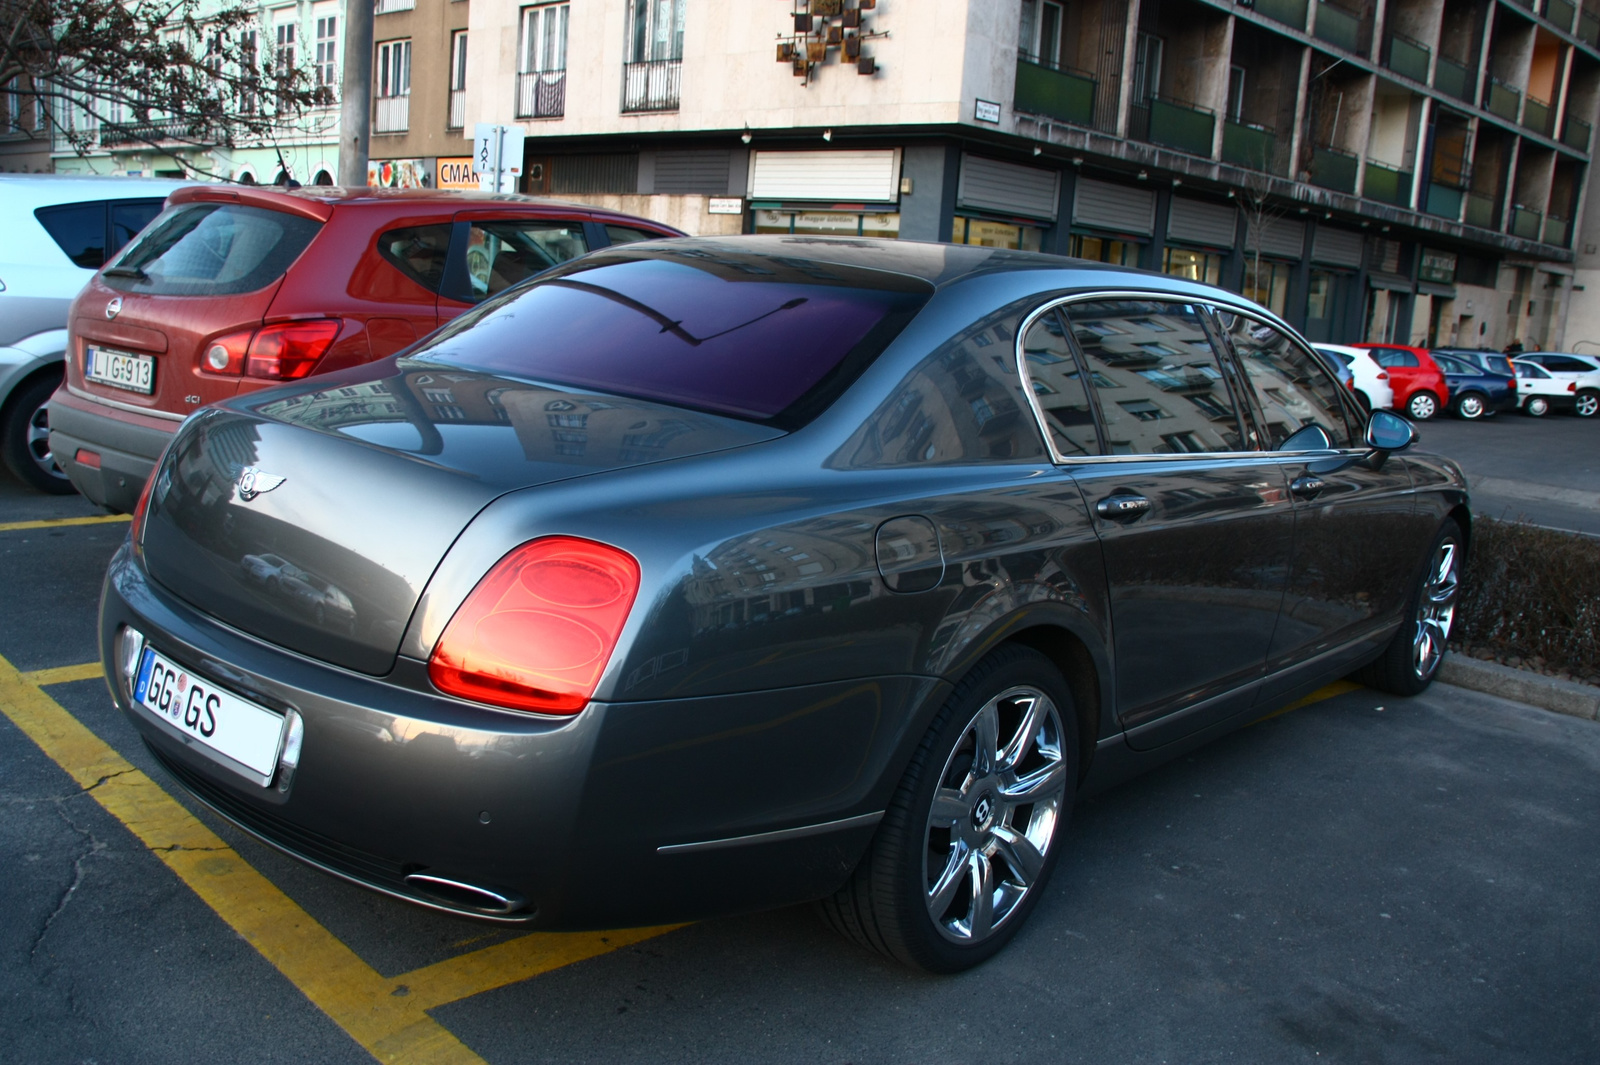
(1344, 349)
(319, 201)
(28, 191)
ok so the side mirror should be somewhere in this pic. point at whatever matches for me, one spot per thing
(1387, 431)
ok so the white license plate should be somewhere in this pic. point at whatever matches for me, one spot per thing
(246, 735)
(120, 369)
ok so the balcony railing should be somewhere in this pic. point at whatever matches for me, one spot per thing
(1406, 57)
(1454, 78)
(1560, 12)
(1386, 184)
(1289, 12)
(1443, 201)
(392, 114)
(652, 85)
(1536, 115)
(1527, 223)
(1338, 27)
(458, 109)
(156, 132)
(1249, 146)
(1057, 92)
(1482, 211)
(1173, 124)
(383, 7)
(1589, 26)
(1576, 134)
(1501, 99)
(1555, 231)
(1333, 169)
(542, 95)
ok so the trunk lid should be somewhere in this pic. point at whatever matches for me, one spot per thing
(313, 515)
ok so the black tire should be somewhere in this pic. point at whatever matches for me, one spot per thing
(1588, 403)
(885, 906)
(1422, 405)
(1471, 406)
(24, 437)
(1397, 670)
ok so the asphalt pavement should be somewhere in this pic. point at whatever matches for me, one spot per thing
(1363, 879)
(1541, 470)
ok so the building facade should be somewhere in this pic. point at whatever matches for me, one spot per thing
(419, 72)
(1407, 170)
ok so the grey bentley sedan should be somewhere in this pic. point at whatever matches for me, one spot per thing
(705, 575)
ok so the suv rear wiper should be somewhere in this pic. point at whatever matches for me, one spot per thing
(126, 271)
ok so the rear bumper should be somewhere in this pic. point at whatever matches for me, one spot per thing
(585, 818)
(125, 444)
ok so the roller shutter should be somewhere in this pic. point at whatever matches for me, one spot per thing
(1006, 188)
(1199, 222)
(1280, 237)
(692, 172)
(866, 176)
(1102, 205)
(1336, 247)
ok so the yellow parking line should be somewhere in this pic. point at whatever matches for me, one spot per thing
(392, 1027)
(65, 674)
(1338, 687)
(51, 523)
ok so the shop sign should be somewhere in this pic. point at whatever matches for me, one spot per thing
(841, 223)
(456, 173)
(1437, 266)
(397, 173)
(725, 205)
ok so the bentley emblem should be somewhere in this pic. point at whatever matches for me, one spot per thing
(252, 481)
(114, 307)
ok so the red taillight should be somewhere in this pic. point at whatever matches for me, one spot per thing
(538, 630)
(1383, 375)
(1572, 386)
(290, 351)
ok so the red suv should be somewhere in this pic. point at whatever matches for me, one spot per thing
(234, 288)
(1420, 389)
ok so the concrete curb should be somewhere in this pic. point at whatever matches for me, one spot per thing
(1535, 689)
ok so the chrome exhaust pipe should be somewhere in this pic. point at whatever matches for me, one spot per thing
(463, 896)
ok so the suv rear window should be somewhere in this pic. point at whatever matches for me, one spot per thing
(751, 336)
(211, 249)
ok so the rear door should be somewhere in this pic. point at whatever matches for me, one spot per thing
(1196, 529)
(491, 251)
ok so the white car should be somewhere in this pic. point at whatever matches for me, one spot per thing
(58, 232)
(1371, 380)
(1539, 391)
(1570, 366)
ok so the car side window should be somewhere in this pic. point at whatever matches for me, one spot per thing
(1157, 379)
(1057, 383)
(419, 252)
(79, 230)
(1529, 370)
(501, 254)
(1392, 357)
(1292, 388)
(629, 235)
(1562, 364)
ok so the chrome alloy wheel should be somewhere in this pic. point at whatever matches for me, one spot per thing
(993, 815)
(1471, 406)
(36, 437)
(1588, 404)
(1436, 609)
(1423, 406)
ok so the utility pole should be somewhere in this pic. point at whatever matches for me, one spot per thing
(355, 112)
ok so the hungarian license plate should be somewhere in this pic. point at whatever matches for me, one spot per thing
(120, 369)
(246, 735)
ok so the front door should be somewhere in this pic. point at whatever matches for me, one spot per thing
(1195, 531)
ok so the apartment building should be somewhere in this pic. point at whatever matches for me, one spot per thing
(1372, 169)
(419, 71)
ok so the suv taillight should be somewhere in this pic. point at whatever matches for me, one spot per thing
(287, 351)
(538, 630)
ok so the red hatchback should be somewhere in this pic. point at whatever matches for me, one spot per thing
(1420, 389)
(234, 288)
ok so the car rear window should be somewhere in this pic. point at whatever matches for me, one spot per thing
(755, 337)
(211, 249)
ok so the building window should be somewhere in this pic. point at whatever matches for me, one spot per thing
(249, 64)
(13, 105)
(1192, 265)
(386, 6)
(989, 234)
(1105, 250)
(542, 62)
(393, 112)
(283, 54)
(458, 81)
(1236, 94)
(327, 45)
(1267, 283)
(1040, 37)
(654, 67)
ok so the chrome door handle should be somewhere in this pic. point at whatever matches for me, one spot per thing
(1307, 486)
(1122, 507)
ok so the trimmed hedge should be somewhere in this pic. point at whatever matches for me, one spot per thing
(1531, 598)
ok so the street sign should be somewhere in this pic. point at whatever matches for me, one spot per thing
(497, 156)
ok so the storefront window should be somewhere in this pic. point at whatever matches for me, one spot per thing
(828, 223)
(1193, 265)
(1105, 250)
(989, 234)
(1268, 286)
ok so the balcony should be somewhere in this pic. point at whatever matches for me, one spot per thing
(1501, 99)
(1406, 57)
(1443, 201)
(1173, 125)
(1253, 147)
(1056, 92)
(542, 95)
(1536, 115)
(1333, 169)
(1555, 231)
(1288, 12)
(1560, 13)
(1338, 27)
(1576, 134)
(1526, 223)
(1453, 78)
(1481, 211)
(160, 131)
(1386, 184)
(651, 85)
(384, 7)
(457, 117)
(392, 114)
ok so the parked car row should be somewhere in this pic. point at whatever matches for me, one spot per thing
(1469, 383)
